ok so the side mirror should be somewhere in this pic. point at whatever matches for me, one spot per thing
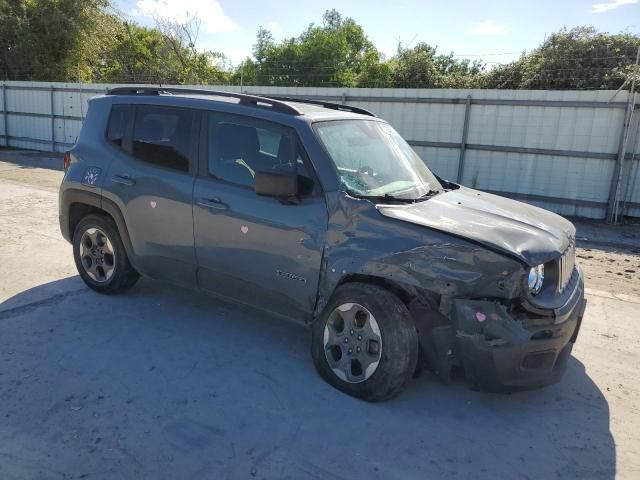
(275, 184)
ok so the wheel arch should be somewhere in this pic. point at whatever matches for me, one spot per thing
(402, 292)
(409, 295)
(77, 204)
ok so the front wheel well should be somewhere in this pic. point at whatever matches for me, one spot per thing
(402, 293)
(413, 298)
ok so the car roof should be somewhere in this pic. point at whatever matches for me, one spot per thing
(311, 110)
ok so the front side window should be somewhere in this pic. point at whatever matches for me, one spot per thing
(118, 122)
(162, 136)
(373, 160)
(238, 149)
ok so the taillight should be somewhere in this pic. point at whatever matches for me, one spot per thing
(66, 160)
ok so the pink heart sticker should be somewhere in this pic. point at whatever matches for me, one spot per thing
(153, 204)
(244, 229)
(481, 317)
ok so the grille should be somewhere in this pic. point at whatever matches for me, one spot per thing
(566, 264)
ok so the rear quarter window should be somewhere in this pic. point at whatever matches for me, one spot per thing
(118, 122)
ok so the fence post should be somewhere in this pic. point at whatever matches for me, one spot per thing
(613, 187)
(53, 122)
(614, 190)
(4, 114)
(463, 141)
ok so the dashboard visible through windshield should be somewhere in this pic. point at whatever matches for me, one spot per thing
(373, 160)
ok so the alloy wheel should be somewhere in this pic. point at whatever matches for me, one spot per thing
(352, 342)
(97, 255)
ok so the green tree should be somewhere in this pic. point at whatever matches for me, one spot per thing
(132, 56)
(423, 67)
(87, 40)
(245, 74)
(40, 39)
(336, 53)
(580, 58)
(166, 54)
(375, 74)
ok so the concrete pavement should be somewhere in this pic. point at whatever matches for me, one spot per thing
(162, 382)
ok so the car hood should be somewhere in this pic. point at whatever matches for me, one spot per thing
(528, 233)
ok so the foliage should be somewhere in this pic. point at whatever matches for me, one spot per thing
(580, 58)
(90, 41)
(40, 39)
(87, 40)
(336, 53)
(423, 67)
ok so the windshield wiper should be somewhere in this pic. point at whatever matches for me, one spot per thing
(427, 195)
(387, 197)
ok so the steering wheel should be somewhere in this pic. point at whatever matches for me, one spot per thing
(366, 170)
(368, 177)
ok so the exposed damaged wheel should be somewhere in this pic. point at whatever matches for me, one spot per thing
(100, 256)
(365, 342)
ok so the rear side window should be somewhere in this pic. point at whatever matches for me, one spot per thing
(161, 136)
(118, 122)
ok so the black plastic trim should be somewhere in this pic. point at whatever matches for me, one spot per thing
(71, 196)
(245, 99)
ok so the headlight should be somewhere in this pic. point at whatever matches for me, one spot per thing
(536, 279)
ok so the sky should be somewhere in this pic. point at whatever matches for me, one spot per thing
(496, 31)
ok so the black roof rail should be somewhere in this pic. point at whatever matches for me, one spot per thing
(245, 99)
(333, 106)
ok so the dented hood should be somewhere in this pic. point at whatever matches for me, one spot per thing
(528, 233)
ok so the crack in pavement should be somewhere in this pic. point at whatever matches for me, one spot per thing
(46, 302)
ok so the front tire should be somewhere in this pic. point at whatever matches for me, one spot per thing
(100, 256)
(365, 342)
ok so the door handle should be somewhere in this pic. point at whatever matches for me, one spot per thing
(213, 202)
(123, 180)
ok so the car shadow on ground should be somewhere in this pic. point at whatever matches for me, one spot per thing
(163, 382)
(32, 159)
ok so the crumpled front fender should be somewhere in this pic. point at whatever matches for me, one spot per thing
(361, 241)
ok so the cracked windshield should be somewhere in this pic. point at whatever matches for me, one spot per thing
(373, 160)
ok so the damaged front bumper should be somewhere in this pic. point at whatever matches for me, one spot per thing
(499, 349)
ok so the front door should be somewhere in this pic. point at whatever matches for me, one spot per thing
(255, 249)
(151, 179)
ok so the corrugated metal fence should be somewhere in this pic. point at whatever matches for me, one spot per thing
(555, 149)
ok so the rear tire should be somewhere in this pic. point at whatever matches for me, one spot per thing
(100, 256)
(358, 317)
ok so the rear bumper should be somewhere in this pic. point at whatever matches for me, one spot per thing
(500, 352)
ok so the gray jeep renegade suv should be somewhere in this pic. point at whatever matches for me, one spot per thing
(322, 213)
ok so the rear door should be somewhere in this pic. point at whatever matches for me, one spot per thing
(151, 179)
(258, 250)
